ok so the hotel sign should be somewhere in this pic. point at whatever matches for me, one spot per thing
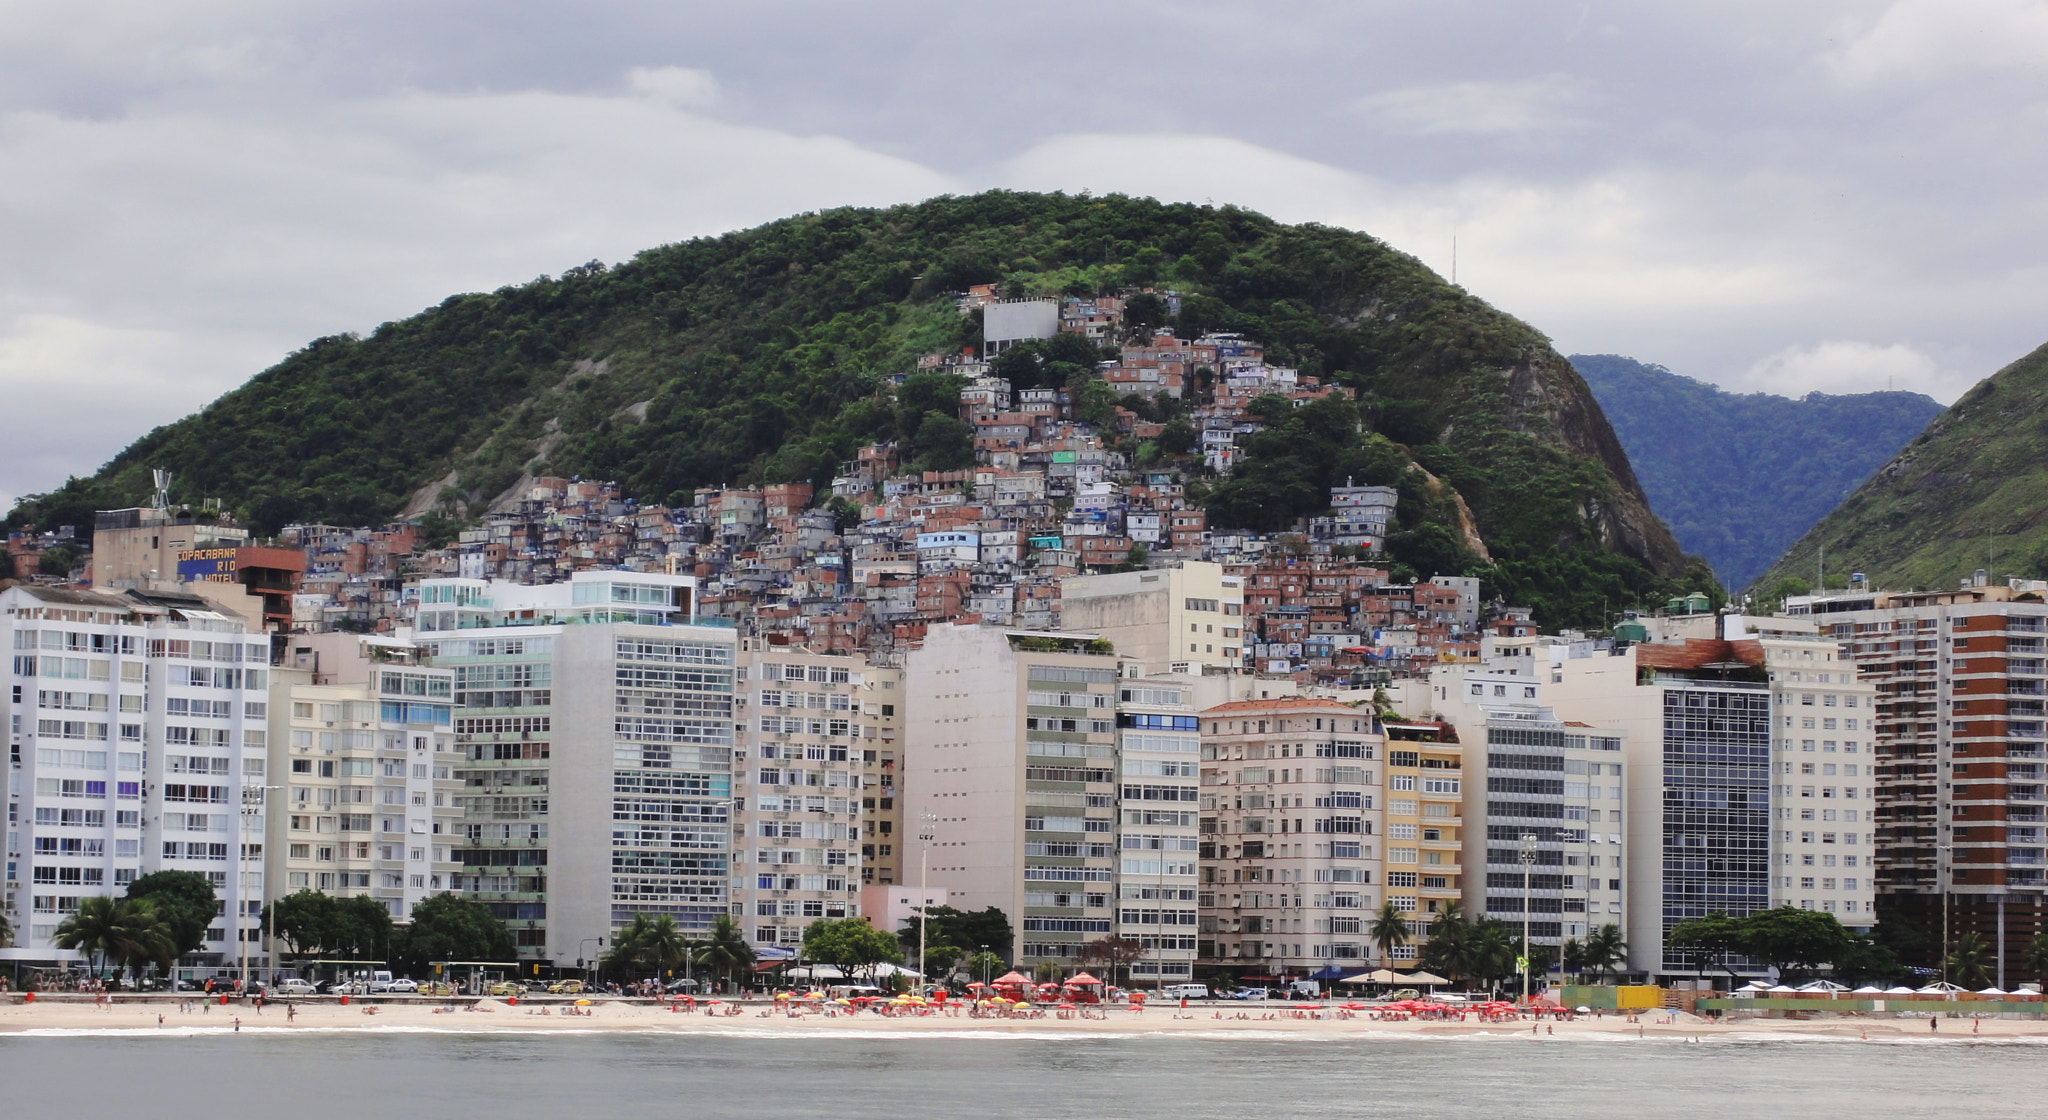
(207, 565)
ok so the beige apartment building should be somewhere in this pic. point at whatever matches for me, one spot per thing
(1191, 614)
(1292, 817)
(370, 792)
(799, 787)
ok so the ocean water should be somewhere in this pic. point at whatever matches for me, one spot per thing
(1042, 1075)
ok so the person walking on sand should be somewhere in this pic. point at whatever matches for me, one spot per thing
(1933, 1023)
(291, 1012)
(238, 1024)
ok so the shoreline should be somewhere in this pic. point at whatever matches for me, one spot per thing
(48, 1018)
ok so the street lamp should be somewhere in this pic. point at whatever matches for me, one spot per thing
(928, 830)
(252, 806)
(1528, 856)
(1944, 868)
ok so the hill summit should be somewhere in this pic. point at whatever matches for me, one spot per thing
(777, 353)
(1970, 491)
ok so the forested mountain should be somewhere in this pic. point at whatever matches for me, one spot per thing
(1739, 476)
(765, 355)
(1969, 492)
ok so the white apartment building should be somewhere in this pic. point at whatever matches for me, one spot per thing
(798, 772)
(1159, 748)
(1012, 747)
(138, 742)
(594, 728)
(1562, 785)
(1824, 839)
(369, 804)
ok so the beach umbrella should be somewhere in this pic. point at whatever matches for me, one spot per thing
(1583, 1010)
(1901, 990)
(1993, 992)
(814, 995)
(843, 1002)
(1868, 990)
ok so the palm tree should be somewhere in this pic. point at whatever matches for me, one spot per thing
(1450, 944)
(726, 949)
(1968, 961)
(93, 929)
(663, 944)
(1573, 955)
(628, 952)
(6, 932)
(1388, 930)
(2035, 960)
(1604, 951)
(115, 932)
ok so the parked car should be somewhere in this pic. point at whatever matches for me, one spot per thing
(406, 985)
(506, 988)
(1185, 991)
(1251, 994)
(566, 987)
(297, 987)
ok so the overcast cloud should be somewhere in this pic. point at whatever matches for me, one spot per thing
(1836, 195)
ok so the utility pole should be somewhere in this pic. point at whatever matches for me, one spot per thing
(928, 830)
(252, 806)
(1528, 857)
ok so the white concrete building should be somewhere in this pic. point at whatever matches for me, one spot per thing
(138, 742)
(614, 706)
(1190, 614)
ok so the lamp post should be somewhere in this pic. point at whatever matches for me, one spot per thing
(252, 806)
(1528, 857)
(927, 831)
(1944, 867)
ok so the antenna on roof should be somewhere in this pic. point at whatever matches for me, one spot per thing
(162, 479)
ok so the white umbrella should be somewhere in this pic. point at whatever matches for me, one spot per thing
(1901, 990)
(1781, 988)
(1994, 992)
(1868, 990)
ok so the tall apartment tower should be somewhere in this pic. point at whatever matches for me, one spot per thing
(1291, 822)
(138, 742)
(1695, 724)
(1961, 681)
(1562, 786)
(1158, 839)
(1011, 748)
(594, 724)
(369, 798)
(797, 792)
(882, 721)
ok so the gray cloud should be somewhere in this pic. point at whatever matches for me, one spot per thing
(1833, 195)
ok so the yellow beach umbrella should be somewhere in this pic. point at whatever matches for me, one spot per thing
(583, 1003)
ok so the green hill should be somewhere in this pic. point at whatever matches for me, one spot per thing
(1739, 476)
(764, 355)
(1971, 491)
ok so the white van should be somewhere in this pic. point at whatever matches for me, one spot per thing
(380, 981)
(1185, 991)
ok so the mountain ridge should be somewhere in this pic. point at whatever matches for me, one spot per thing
(764, 355)
(1970, 491)
(1740, 476)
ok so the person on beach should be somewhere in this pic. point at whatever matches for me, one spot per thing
(1933, 1023)
(291, 1012)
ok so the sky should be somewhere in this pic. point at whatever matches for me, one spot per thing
(1834, 195)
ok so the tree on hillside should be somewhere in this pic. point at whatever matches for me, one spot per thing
(185, 901)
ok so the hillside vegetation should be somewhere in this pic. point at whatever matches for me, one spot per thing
(764, 355)
(1971, 491)
(1739, 476)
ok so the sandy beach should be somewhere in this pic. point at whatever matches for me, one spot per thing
(148, 1016)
